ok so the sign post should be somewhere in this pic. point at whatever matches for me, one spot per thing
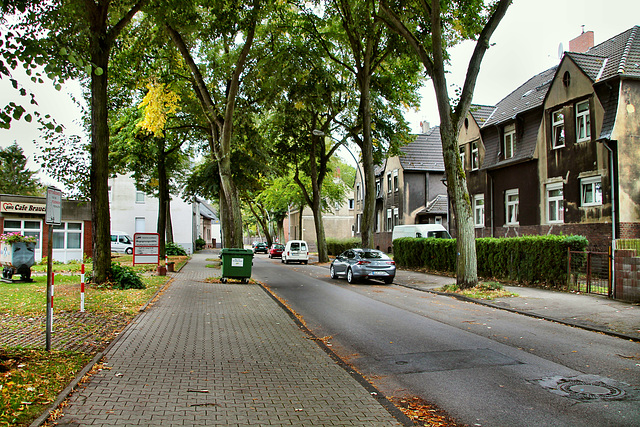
(146, 248)
(53, 216)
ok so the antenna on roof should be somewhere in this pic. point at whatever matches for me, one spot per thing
(582, 29)
(560, 50)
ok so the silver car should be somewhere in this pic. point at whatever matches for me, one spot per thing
(356, 264)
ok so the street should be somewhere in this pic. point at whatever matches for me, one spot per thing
(483, 366)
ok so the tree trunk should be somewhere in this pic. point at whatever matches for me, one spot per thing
(99, 177)
(163, 192)
(169, 232)
(369, 186)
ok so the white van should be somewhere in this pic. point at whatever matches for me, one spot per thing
(296, 250)
(420, 230)
(121, 242)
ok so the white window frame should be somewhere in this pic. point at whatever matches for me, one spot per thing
(462, 155)
(358, 198)
(378, 187)
(475, 159)
(352, 204)
(64, 231)
(139, 197)
(509, 141)
(396, 216)
(478, 210)
(583, 121)
(389, 188)
(512, 207)
(23, 229)
(594, 184)
(396, 184)
(389, 219)
(555, 203)
(557, 129)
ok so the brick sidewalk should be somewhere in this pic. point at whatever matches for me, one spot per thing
(220, 354)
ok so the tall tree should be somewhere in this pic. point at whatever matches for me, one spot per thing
(431, 28)
(220, 35)
(80, 35)
(15, 178)
(385, 78)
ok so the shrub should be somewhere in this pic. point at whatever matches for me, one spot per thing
(200, 243)
(174, 249)
(337, 246)
(526, 259)
(125, 278)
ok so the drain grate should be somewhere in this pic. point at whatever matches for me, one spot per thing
(589, 387)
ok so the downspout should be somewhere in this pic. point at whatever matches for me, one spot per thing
(605, 143)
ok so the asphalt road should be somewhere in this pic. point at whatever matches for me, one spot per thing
(484, 366)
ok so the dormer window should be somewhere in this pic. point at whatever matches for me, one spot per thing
(509, 142)
(475, 161)
(557, 123)
(583, 121)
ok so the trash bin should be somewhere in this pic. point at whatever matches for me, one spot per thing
(236, 264)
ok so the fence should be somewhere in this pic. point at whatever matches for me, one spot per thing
(589, 272)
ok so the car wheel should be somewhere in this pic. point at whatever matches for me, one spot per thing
(305, 262)
(332, 272)
(388, 280)
(350, 277)
(129, 251)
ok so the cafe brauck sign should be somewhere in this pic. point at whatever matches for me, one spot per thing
(17, 207)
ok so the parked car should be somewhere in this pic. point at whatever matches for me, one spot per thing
(261, 247)
(276, 250)
(356, 264)
(420, 230)
(296, 250)
(121, 242)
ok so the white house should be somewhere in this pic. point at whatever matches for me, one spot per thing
(133, 211)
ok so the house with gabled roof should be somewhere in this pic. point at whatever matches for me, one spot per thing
(409, 188)
(562, 151)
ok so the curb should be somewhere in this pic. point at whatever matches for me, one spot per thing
(534, 315)
(64, 394)
(375, 393)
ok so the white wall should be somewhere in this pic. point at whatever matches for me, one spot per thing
(125, 210)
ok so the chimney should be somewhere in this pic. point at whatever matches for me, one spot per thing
(582, 43)
(424, 126)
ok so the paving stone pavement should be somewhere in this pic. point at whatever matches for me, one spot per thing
(219, 354)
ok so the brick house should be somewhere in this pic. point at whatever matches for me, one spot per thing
(561, 153)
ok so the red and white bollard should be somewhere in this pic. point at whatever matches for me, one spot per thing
(50, 325)
(82, 289)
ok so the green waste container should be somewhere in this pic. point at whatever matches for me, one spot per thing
(236, 264)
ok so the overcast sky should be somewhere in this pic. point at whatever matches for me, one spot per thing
(525, 43)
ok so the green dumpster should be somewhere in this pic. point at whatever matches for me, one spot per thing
(236, 264)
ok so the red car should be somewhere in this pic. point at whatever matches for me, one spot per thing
(276, 250)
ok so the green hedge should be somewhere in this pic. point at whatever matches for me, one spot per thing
(527, 259)
(337, 246)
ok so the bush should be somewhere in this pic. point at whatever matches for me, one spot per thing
(200, 243)
(125, 278)
(526, 259)
(337, 246)
(174, 249)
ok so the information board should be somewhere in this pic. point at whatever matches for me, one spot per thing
(53, 213)
(146, 248)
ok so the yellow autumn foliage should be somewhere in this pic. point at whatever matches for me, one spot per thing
(157, 105)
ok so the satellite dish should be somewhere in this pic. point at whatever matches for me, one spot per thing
(560, 50)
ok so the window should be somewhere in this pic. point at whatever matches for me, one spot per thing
(395, 180)
(396, 217)
(389, 219)
(26, 228)
(583, 122)
(557, 132)
(462, 151)
(478, 210)
(140, 225)
(139, 196)
(474, 156)
(378, 188)
(555, 203)
(438, 220)
(67, 236)
(358, 192)
(509, 141)
(512, 202)
(591, 191)
(389, 188)
(352, 204)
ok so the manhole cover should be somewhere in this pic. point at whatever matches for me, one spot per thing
(588, 391)
(589, 387)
